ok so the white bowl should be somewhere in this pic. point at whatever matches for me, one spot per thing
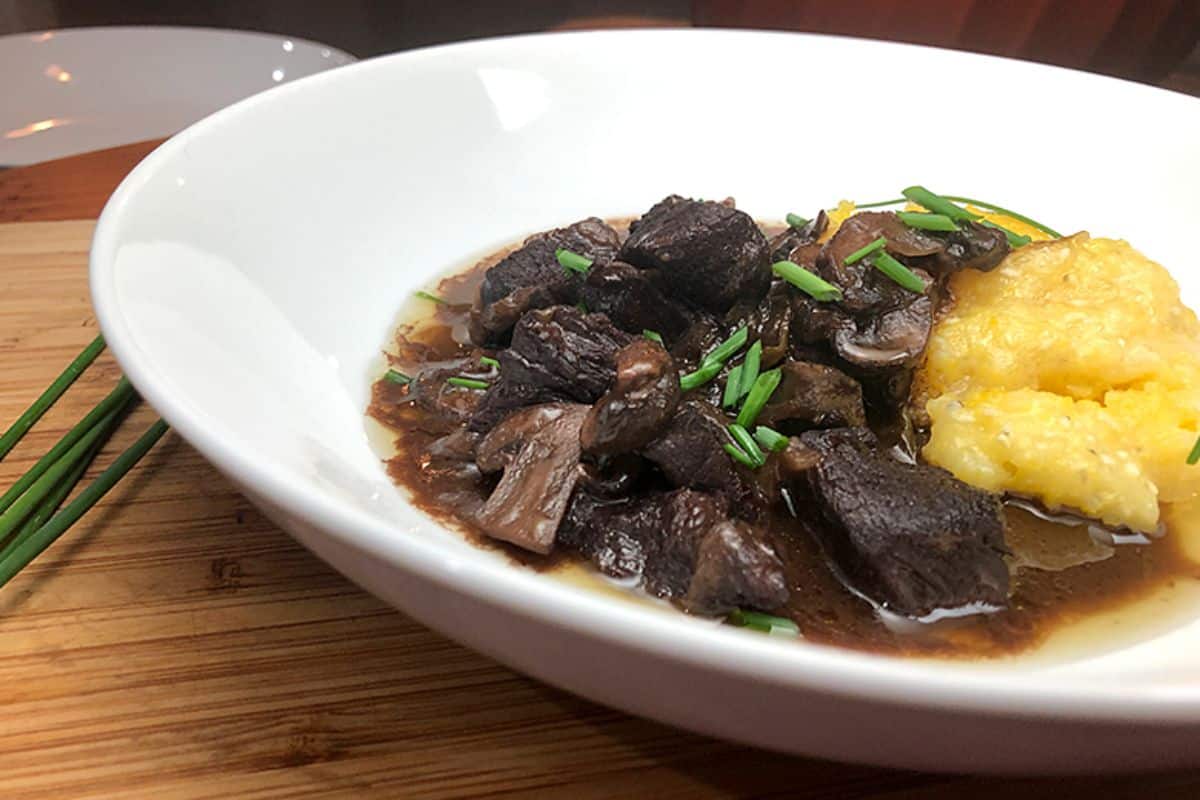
(249, 271)
(70, 91)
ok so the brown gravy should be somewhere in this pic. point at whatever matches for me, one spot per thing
(1060, 574)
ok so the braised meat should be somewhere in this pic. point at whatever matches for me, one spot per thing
(909, 536)
(557, 353)
(814, 396)
(711, 253)
(531, 277)
(632, 300)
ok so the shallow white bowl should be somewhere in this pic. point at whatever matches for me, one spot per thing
(71, 91)
(249, 271)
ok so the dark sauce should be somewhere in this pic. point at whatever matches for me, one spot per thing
(1061, 573)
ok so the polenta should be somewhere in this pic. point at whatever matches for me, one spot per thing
(1070, 373)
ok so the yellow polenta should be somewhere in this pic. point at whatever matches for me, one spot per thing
(1070, 373)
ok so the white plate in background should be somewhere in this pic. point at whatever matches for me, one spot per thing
(248, 272)
(71, 91)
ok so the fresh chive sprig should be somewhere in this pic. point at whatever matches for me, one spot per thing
(488, 361)
(24, 422)
(653, 336)
(760, 393)
(1194, 456)
(746, 442)
(812, 285)
(733, 385)
(899, 273)
(572, 261)
(712, 364)
(433, 298)
(796, 221)
(750, 369)
(770, 439)
(927, 221)
(866, 250)
(467, 383)
(766, 623)
(739, 455)
(396, 377)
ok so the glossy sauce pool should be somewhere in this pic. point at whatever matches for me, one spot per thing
(1070, 593)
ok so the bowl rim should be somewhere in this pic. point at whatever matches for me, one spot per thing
(900, 682)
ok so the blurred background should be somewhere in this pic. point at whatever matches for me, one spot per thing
(1154, 41)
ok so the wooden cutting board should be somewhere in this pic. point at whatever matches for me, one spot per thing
(175, 644)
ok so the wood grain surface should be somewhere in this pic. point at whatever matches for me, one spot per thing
(175, 644)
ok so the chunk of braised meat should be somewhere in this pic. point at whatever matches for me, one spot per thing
(799, 245)
(895, 338)
(689, 450)
(814, 396)
(682, 545)
(538, 449)
(632, 300)
(449, 464)
(814, 322)
(557, 353)
(866, 290)
(531, 277)
(910, 536)
(711, 253)
(639, 403)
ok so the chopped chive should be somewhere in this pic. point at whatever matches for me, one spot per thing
(652, 335)
(763, 622)
(927, 222)
(1014, 239)
(897, 272)
(431, 297)
(763, 388)
(722, 352)
(737, 455)
(52, 393)
(582, 307)
(733, 385)
(14, 559)
(796, 221)
(488, 361)
(701, 376)
(117, 398)
(397, 377)
(806, 282)
(467, 383)
(1006, 212)
(750, 369)
(770, 438)
(572, 262)
(863, 252)
(746, 442)
(938, 204)
(1194, 456)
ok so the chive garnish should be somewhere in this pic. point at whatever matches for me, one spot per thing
(52, 393)
(770, 438)
(467, 383)
(431, 297)
(796, 221)
(766, 623)
(15, 558)
(763, 388)
(927, 222)
(1194, 456)
(746, 442)
(397, 377)
(938, 204)
(750, 367)
(733, 384)
(582, 307)
(1046, 229)
(652, 335)
(571, 261)
(1014, 239)
(879, 204)
(805, 281)
(863, 252)
(897, 272)
(722, 352)
(488, 361)
(737, 455)
(701, 376)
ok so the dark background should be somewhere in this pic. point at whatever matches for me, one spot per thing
(1149, 40)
